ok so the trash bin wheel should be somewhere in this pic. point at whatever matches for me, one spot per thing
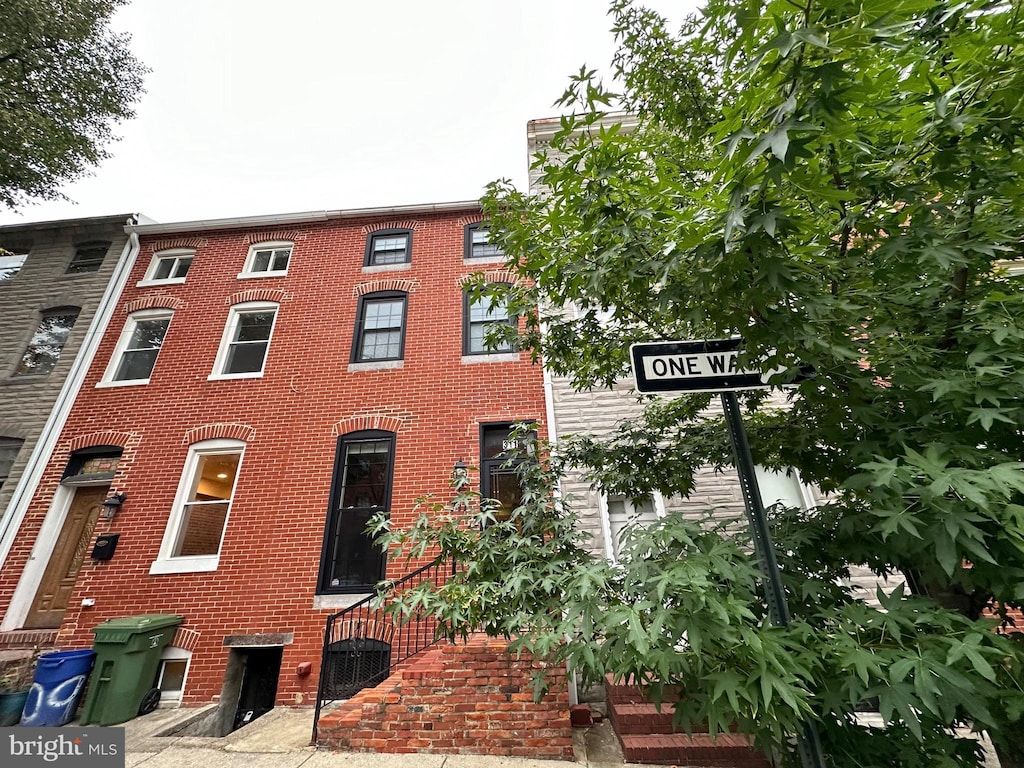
(149, 701)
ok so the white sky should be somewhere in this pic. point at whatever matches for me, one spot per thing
(255, 107)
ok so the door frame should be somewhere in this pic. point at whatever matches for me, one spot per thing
(39, 558)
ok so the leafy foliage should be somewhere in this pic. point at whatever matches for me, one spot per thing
(65, 78)
(838, 183)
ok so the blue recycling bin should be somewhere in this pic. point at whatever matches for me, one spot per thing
(57, 686)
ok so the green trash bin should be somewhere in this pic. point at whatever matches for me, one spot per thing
(128, 653)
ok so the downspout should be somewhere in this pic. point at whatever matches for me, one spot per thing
(26, 487)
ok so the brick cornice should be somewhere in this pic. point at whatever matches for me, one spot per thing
(228, 431)
(367, 421)
(175, 242)
(159, 301)
(270, 237)
(408, 224)
(386, 284)
(257, 294)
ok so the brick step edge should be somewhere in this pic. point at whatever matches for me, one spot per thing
(728, 750)
(644, 718)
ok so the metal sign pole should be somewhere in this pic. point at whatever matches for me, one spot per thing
(808, 743)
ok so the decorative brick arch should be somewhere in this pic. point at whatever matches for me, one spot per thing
(473, 218)
(390, 284)
(273, 237)
(176, 242)
(491, 276)
(367, 422)
(276, 295)
(186, 639)
(110, 437)
(229, 431)
(159, 301)
(391, 225)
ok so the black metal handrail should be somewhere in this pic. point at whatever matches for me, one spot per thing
(363, 643)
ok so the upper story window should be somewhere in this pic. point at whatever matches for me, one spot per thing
(138, 347)
(198, 519)
(480, 319)
(623, 512)
(168, 267)
(380, 327)
(9, 447)
(478, 243)
(45, 346)
(243, 348)
(88, 257)
(364, 464)
(267, 259)
(390, 246)
(10, 264)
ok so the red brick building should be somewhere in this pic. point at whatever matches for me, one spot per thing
(265, 385)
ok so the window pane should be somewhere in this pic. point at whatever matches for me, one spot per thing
(246, 358)
(280, 261)
(506, 490)
(136, 365)
(382, 330)
(254, 326)
(88, 259)
(181, 266)
(172, 678)
(353, 559)
(390, 250)
(140, 355)
(207, 508)
(383, 314)
(261, 261)
(11, 265)
(163, 269)
(481, 245)
(9, 448)
(47, 342)
(365, 480)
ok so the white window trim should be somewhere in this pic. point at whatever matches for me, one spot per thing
(170, 653)
(229, 332)
(247, 272)
(122, 345)
(165, 561)
(173, 253)
(658, 502)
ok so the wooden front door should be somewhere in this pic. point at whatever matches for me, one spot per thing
(51, 599)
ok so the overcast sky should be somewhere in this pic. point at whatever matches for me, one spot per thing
(255, 107)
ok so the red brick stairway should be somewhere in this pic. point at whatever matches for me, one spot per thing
(647, 736)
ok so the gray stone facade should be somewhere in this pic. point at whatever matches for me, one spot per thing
(43, 283)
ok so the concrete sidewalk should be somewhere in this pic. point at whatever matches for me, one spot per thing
(280, 739)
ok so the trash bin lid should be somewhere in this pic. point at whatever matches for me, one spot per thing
(133, 624)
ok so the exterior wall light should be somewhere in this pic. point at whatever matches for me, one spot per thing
(112, 505)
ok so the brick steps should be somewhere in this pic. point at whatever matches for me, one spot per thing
(647, 735)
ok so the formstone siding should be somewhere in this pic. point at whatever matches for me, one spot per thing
(42, 283)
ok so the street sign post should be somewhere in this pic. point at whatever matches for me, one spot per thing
(711, 366)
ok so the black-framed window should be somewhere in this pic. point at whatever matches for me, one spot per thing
(364, 464)
(44, 348)
(500, 454)
(478, 317)
(88, 257)
(388, 246)
(478, 243)
(380, 327)
(9, 447)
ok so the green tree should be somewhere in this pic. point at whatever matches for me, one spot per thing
(65, 79)
(838, 183)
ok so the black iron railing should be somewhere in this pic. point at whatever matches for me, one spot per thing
(363, 643)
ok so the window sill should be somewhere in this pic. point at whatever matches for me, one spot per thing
(230, 376)
(498, 357)
(332, 602)
(376, 365)
(253, 275)
(375, 268)
(470, 260)
(170, 281)
(200, 564)
(127, 383)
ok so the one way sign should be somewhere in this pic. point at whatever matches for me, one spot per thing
(694, 366)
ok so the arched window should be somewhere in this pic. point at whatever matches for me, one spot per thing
(137, 348)
(48, 340)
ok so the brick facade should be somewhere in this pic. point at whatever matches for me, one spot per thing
(468, 699)
(289, 419)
